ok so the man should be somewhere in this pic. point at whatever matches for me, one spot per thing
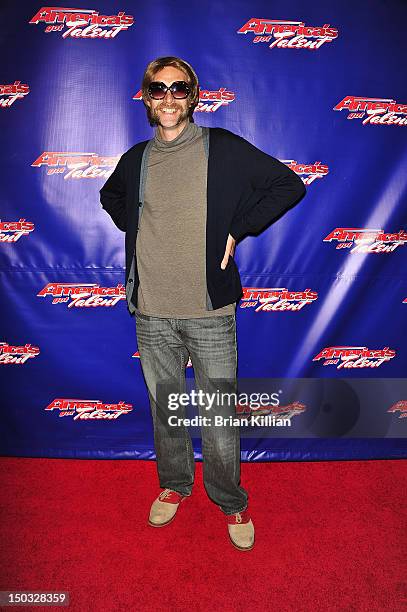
(184, 198)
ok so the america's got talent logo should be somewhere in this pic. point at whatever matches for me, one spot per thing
(84, 410)
(287, 411)
(81, 23)
(276, 299)
(346, 357)
(17, 355)
(374, 111)
(288, 34)
(308, 173)
(12, 92)
(11, 231)
(76, 165)
(401, 407)
(364, 240)
(83, 295)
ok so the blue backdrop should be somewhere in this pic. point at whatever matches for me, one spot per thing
(317, 85)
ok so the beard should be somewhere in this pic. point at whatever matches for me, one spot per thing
(184, 114)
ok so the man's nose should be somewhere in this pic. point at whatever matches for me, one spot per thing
(168, 96)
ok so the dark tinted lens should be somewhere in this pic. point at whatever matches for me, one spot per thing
(156, 91)
(180, 90)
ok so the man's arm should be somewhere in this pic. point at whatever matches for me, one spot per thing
(113, 196)
(276, 189)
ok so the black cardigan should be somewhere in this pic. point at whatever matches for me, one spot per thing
(246, 191)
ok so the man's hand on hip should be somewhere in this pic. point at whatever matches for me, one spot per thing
(230, 249)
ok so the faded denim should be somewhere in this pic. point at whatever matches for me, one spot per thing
(165, 346)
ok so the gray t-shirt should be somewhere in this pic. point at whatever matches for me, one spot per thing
(171, 242)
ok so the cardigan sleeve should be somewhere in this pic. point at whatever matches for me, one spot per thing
(113, 196)
(275, 189)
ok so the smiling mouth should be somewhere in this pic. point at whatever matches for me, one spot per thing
(169, 111)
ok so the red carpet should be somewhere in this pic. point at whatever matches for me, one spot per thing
(329, 536)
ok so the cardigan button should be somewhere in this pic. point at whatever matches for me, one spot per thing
(140, 204)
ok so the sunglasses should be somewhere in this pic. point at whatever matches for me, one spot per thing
(179, 89)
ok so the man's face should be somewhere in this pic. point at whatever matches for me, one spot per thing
(163, 110)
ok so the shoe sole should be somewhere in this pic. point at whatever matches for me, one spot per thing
(240, 547)
(162, 524)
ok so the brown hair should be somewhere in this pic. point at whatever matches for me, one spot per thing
(161, 62)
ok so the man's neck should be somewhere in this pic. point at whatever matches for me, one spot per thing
(170, 133)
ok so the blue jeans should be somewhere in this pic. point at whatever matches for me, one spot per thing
(164, 346)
